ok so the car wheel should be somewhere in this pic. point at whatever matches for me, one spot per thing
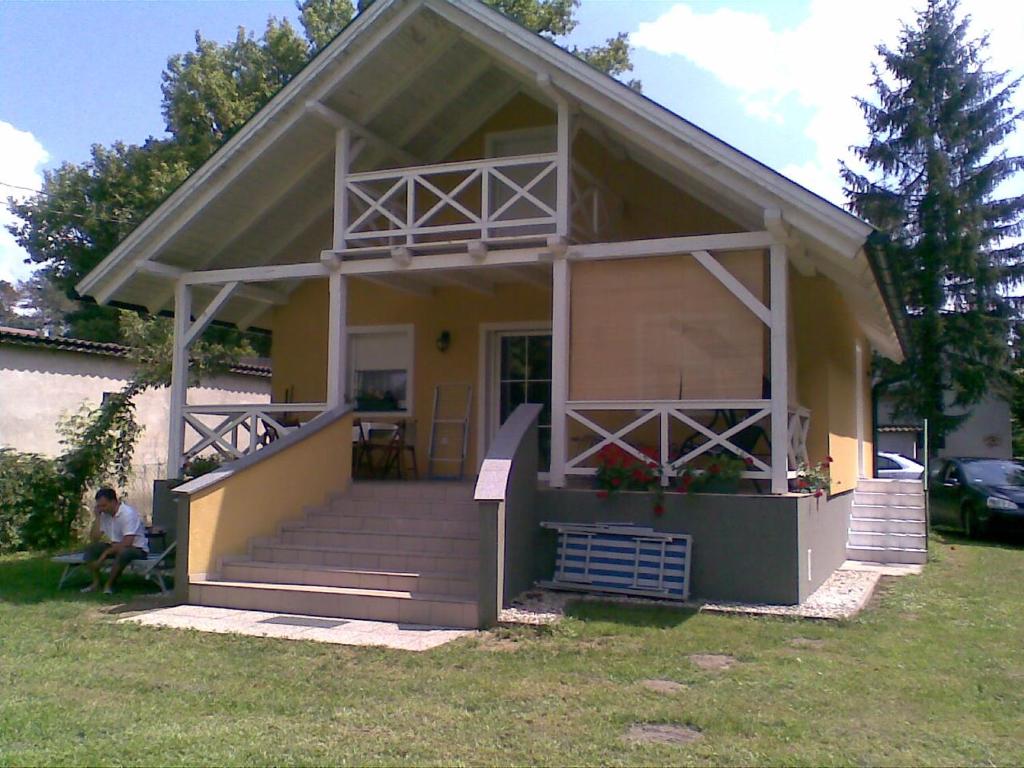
(973, 526)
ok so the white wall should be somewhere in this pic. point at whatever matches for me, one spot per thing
(38, 387)
(984, 434)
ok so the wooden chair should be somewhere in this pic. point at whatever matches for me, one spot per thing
(400, 442)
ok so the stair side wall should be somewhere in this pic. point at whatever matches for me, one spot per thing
(823, 529)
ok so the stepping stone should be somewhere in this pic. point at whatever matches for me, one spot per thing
(663, 686)
(806, 642)
(662, 733)
(712, 662)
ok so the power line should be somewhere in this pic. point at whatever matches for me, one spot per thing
(80, 216)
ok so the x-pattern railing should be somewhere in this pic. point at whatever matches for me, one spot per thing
(684, 412)
(475, 199)
(233, 431)
(594, 208)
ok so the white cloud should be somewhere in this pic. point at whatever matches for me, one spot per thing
(822, 63)
(21, 159)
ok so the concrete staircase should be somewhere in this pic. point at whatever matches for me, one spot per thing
(383, 551)
(887, 523)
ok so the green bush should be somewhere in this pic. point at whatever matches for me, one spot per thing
(38, 505)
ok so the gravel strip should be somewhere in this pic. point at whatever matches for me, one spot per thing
(842, 596)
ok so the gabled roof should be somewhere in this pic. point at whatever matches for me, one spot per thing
(410, 73)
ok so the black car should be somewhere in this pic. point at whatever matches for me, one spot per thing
(975, 495)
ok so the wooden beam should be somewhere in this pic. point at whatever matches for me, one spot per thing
(401, 255)
(779, 350)
(256, 274)
(340, 122)
(666, 246)
(734, 286)
(337, 339)
(431, 261)
(388, 92)
(560, 314)
(342, 148)
(179, 381)
(210, 312)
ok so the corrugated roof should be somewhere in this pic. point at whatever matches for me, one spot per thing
(249, 366)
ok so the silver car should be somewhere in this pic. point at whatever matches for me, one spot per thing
(893, 466)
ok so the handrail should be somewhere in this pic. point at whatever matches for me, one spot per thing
(225, 408)
(460, 165)
(495, 473)
(311, 428)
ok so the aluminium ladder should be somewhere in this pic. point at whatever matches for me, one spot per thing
(448, 418)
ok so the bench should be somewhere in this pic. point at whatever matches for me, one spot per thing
(156, 567)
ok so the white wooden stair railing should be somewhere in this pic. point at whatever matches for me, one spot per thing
(236, 430)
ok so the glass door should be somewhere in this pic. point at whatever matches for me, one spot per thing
(524, 376)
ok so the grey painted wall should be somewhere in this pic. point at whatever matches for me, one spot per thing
(823, 526)
(985, 433)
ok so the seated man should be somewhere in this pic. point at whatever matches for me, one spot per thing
(118, 534)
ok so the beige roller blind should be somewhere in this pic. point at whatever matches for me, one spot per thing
(665, 329)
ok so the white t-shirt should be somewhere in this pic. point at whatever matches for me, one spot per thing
(125, 523)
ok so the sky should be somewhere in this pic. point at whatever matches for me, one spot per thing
(774, 78)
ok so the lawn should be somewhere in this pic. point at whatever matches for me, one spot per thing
(931, 674)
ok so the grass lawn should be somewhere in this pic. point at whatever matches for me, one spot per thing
(931, 674)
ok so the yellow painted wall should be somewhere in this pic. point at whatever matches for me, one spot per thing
(651, 206)
(825, 338)
(300, 339)
(256, 500)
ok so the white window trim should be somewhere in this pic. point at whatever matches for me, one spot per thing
(410, 385)
(541, 131)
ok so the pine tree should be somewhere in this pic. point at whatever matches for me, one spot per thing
(935, 166)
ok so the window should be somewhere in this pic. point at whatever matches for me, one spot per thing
(887, 463)
(380, 369)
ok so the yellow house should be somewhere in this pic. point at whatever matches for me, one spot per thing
(445, 219)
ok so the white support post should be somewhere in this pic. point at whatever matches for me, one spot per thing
(342, 152)
(179, 380)
(779, 277)
(563, 175)
(561, 287)
(337, 340)
(858, 351)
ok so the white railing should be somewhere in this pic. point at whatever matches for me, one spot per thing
(478, 199)
(236, 430)
(595, 208)
(697, 420)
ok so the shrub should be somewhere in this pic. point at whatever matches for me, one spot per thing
(38, 503)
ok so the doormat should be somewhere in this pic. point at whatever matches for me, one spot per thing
(304, 621)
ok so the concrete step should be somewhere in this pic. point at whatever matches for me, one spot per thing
(870, 498)
(258, 571)
(273, 550)
(459, 546)
(889, 513)
(418, 508)
(878, 485)
(886, 555)
(337, 602)
(887, 525)
(887, 540)
(427, 526)
(410, 491)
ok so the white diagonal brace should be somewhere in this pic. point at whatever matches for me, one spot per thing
(211, 310)
(721, 439)
(609, 437)
(340, 121)
(735, 287)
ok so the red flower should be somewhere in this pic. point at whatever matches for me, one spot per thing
(616, 481)
(659, 510)
(828, 459)
(651, 453)
(639, 475)
(602, 494)
(713, 469)
(748, 461)
(802, 483)
(818, 494)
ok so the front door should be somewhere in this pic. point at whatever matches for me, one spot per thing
(521, 373)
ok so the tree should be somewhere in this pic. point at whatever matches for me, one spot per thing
(935, 167)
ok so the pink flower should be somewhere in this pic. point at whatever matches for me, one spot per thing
(828, 459)
(818, 493)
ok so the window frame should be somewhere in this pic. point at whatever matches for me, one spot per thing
(352, 331)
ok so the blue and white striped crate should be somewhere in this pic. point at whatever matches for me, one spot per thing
(624, 559)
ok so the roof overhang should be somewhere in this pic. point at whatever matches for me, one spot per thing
(397, 73)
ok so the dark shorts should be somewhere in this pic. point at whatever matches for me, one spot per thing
(93, 552)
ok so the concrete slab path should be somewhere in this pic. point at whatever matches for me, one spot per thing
(405, 637)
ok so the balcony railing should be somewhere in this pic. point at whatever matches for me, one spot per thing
(683, 431)
(236, 430)
(475, 200)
